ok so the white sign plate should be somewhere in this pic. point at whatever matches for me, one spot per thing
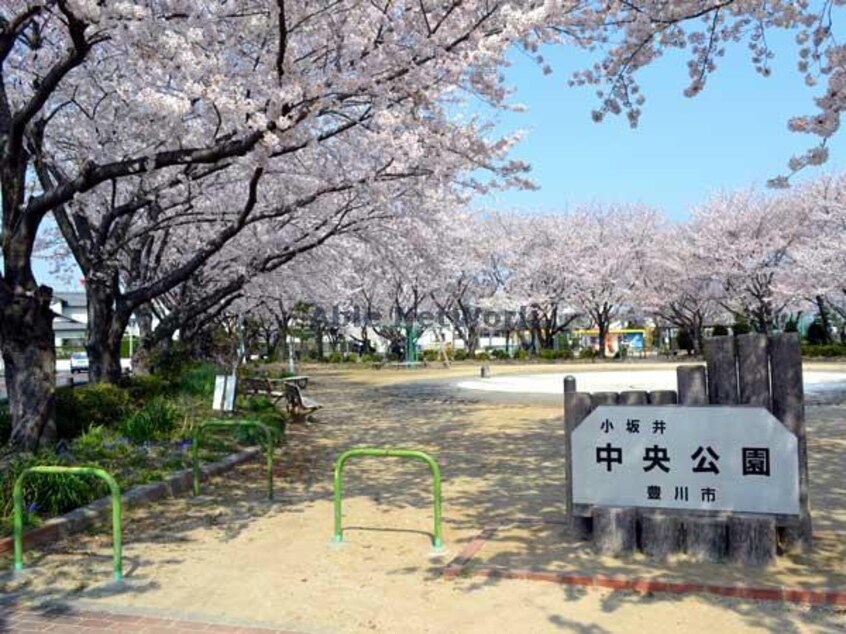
(219, 389)
(715, 458)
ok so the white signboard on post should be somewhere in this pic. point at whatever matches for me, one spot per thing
(715, 458)
(223, 399)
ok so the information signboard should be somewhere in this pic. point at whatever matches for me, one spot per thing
(715, 458)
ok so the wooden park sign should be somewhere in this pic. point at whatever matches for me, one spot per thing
(716, 469)
(739, 459)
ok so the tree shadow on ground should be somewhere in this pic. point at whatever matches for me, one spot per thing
(521, 472)
(500, 462)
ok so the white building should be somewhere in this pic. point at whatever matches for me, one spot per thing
(70, 323)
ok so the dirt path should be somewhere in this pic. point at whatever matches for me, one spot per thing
(229, 554)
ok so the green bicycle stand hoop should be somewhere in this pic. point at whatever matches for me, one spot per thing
(17, 496)
(437, 540)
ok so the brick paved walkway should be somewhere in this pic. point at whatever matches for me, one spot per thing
(22, 621)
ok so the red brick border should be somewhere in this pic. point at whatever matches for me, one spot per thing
(460, 567)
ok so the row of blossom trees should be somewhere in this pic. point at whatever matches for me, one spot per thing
(185, 149)
(748, 256)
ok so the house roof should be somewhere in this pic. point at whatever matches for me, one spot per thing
(72, 299)
(65, 324)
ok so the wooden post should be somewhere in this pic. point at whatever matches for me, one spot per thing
(692, 385)
(614, 530)
(753, 370)
(577, 406)
(602, 398)
(660, 533)
(752, 539)
(706, 538)
(722, 370)
(633, 397)
(789, 408)
(663, 397)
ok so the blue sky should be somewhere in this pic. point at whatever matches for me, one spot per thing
(733, 135)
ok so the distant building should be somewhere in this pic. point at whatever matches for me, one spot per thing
(70, 323)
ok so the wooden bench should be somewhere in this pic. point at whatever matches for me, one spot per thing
(299, 406)
(276, 389)
(262, 386)
(300, 380)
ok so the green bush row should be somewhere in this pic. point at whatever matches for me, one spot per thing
(139, 432)
(824, 350)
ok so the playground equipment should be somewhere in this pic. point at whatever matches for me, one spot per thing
(17, 496)
(234, 424)
(437, 541)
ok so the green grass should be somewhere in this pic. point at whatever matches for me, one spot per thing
(139, 433)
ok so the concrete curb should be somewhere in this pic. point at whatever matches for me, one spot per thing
(100, 510)
(460, 567)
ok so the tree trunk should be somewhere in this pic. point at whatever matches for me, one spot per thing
(104, 334)
(472, 341)
(141, 359)
(824, 318)
(602, 325)
(318, 339)
(366, 348)
(699, 339)
(29, 356)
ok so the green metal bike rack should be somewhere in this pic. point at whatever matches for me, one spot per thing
(220, 424)
(17, 496)
(437, 541)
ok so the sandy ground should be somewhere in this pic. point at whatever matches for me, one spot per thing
(231, 555)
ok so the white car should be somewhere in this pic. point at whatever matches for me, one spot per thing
(78, 362)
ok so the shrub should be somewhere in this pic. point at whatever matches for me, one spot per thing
(143, 388)
(431, 355)
(352, 357)
(79, 409)
(460, 355)
(551, 355)
(719, 331)
(483, 356)
(499, 354)
(521, 354)
(792, 322)
(155, 421)
(684, 341)
(335, 357)
(827, 350)
(587, 353)
(816, 333)
(741, 326)
(197, 380)
(171, 362)
(47, 494)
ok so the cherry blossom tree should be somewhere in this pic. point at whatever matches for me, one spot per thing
(677, 289)
(818, 259)
(97, 93)
(469, 259)
(747, 243)
(610, 262)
